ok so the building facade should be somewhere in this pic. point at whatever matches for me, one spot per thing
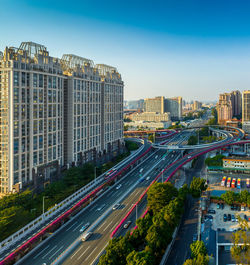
(224, 108)
(156, 104)
(54, 113)
(174, 106)
(150, 116)
(236, 100)
(237, 163)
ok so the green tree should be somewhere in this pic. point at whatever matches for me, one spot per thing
(160, 194)
(214, 161)
(172, 212)
(244, 196)
(192, 140)
(140, 258)
(228, 197)
(198, 247)
(197, 186)
(116, 252)
(241, 248)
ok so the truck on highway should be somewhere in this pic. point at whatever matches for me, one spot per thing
(110, 173)
(223, 182)
(228, 182)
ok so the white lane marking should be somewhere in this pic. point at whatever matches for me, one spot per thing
(77, 227)
(83, 252)
(91, 253)
(76, 252)
(56, 252)
(49, 252)
(103, 224)
(99, 254)
(107, 226)
(40, 252)
(71, 226)
(113, 227)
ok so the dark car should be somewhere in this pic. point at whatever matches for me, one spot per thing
(224, 217)
(235, 207)
(246, 218)
(238, 208)
(232, 207)
(210, 217)
(211, 211)
(229, 217)
(222, 206)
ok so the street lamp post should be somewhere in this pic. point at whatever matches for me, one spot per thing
(95, 174)
(162, 175)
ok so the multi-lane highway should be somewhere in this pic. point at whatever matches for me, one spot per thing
(60, 241)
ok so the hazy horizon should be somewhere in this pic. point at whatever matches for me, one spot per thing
(194, 49)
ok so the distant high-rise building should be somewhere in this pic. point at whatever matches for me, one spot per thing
(156, 104)
(135, 104)
(224, 108)
(174, 106)
(236, 100)
(197, 105)
(54, 113)
(246, 106)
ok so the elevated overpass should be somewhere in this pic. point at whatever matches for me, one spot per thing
(228, 135)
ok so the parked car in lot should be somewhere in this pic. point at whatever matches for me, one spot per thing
(127, 224)
(233, 218)
(210, 217)
(224, 217)
(218, 205)
(235, 207)
(232, 207)
(211, 211)
(242, 208)
(229, 217)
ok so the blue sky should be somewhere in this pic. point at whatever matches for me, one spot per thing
(195, 49)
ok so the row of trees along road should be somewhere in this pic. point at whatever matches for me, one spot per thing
(146, 245)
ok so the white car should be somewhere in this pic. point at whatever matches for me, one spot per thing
(116, 206)
(118, 187)
(148, 178)
(189, 157)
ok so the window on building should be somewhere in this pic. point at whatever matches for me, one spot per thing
(16, 78)
(16, 163)
(16, 146)
(34, 80)
(40, 80)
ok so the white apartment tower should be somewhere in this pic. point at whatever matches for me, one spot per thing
(54, 113)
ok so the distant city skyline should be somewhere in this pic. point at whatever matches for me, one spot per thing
(193, 49)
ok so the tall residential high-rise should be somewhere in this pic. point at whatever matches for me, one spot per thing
(236, 100)
(54, 113)
(246, 106)
(246, 111)
(154, 104)
(224, 108)
(197, 105)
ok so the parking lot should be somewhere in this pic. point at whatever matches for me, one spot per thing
(218, 217)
